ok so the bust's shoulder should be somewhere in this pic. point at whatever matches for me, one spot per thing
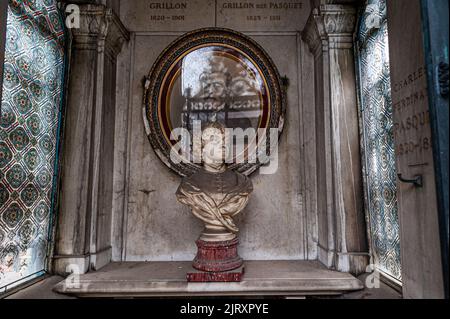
(243, 182)
(190, 183)
(241, 177)
(196, 181)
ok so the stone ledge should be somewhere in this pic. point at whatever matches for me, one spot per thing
(166, 279)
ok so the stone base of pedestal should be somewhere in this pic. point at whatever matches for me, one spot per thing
(217, 257)
(226, 276)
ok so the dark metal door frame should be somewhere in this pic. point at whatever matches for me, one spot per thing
(436, 32)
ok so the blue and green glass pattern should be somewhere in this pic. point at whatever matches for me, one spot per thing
(378, 138)
(29, 129)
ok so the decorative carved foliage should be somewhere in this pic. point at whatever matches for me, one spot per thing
(311, 33)
(100, 28)
(330, 23)
(339, 19)
(32, 88)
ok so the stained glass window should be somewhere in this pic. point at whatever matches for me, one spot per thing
(378, 138)
(29, 131)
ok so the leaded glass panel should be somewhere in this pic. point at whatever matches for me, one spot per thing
(29, 130)
(378, 138)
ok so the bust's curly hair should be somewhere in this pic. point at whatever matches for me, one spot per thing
(214, 125)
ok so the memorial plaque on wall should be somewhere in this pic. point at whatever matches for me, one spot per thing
(169, 15)
(183, 16)
(263, 15)
(420, 245)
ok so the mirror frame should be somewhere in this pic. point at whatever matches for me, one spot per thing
(188, 42)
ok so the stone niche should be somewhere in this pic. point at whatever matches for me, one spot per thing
(302, 223)
(280, 222)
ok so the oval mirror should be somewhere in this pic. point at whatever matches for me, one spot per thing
(212, 75)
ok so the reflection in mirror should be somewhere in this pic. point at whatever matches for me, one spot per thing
(216, 84)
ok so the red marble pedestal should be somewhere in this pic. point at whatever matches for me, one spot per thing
(217, 262)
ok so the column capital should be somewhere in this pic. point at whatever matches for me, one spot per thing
(100, 28)
(330, 26)
(338, 19)
(312, 35)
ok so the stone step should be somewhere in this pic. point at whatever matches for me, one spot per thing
(167, 279)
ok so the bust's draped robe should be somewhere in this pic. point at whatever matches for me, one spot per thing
(216, 197)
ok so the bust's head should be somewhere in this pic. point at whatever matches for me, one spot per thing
(215, 80)
(213, 145)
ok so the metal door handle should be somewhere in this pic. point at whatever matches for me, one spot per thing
(417, 181)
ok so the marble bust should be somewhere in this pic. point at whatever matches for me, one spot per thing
(215, 194)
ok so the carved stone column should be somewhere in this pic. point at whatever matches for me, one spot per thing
(83, 235)
(342, 233)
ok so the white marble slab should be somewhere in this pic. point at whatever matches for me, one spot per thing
(168, 15)
(263, 15)
(245, 16)
(155, 279)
